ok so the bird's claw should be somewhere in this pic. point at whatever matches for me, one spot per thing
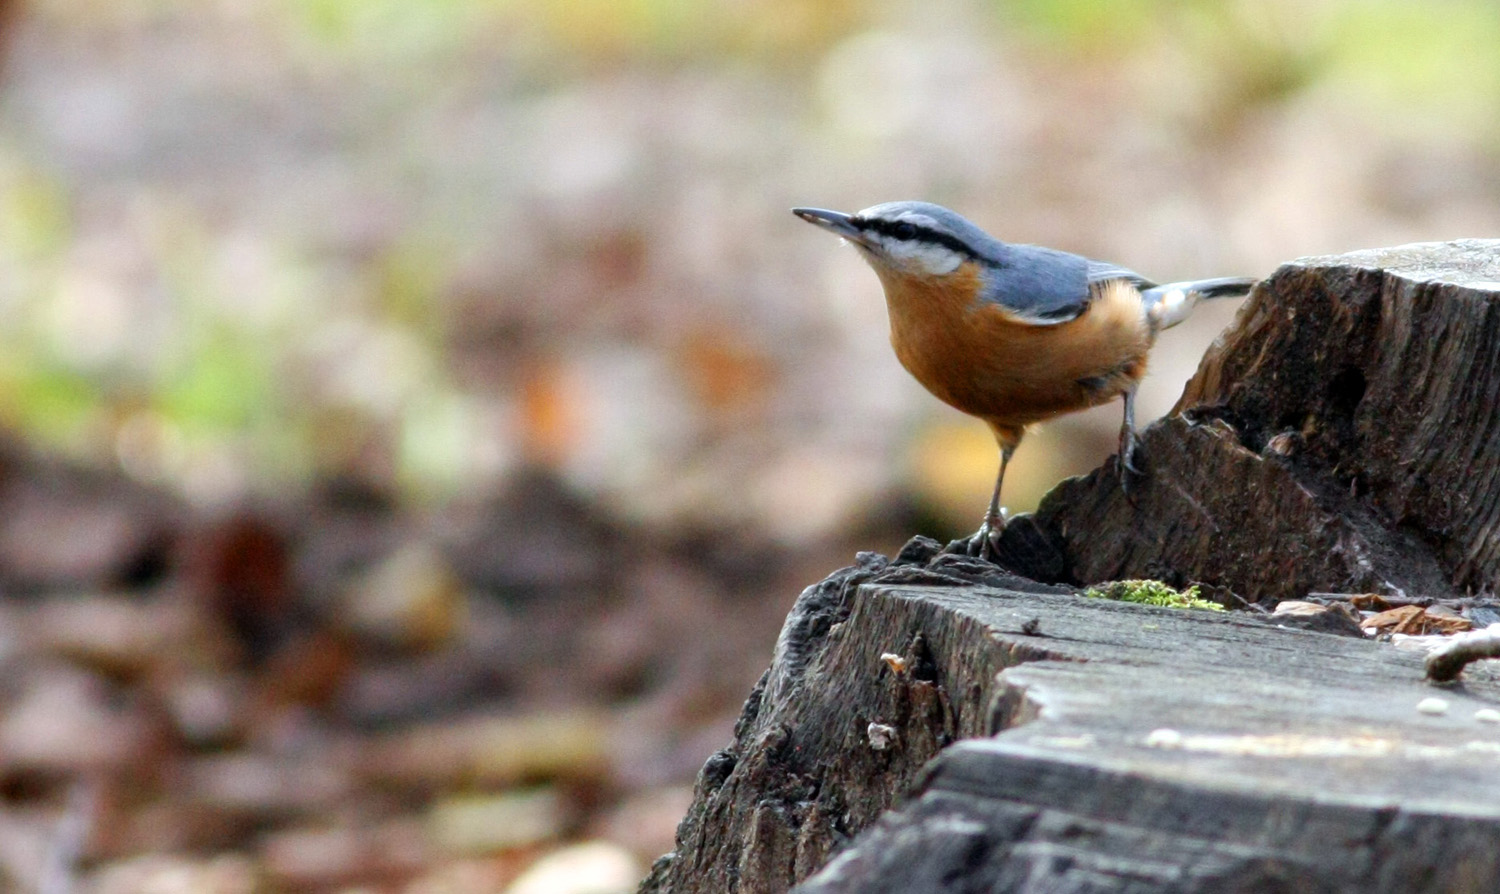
(985, 544)
(1126, 467)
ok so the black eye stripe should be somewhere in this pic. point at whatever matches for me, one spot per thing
(906, 230)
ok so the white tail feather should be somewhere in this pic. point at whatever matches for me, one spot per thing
(1168, 305)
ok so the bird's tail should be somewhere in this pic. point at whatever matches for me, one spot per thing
(1170, 304)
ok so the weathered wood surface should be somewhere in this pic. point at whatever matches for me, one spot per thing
(802, 775)
(1191, 752)
(1343, 436)
(1137, 749)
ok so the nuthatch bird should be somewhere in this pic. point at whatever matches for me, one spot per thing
(1013, 334)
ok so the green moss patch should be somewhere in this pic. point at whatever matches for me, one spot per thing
(1151, 592)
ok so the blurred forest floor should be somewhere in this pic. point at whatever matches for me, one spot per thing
(423, 414)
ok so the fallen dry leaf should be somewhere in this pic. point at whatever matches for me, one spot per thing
(1369, 602)
(1416, 621)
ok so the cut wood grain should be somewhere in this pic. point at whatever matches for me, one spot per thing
(1180, 751)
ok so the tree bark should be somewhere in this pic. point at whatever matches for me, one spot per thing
(1343, 436)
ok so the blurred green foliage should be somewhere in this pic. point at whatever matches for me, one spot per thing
(235, 386)
(1432, 62)
(39, 392)
(608, 30)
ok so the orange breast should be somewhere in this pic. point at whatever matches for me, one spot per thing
(979, 359)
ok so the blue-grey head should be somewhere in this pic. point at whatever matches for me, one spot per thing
(914, 238)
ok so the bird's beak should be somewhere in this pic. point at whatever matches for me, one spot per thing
(836, 222)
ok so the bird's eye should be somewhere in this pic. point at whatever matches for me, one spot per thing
(903, 230)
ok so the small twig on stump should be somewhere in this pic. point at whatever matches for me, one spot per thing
(1446, 663)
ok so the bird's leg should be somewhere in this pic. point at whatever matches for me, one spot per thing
(1125, 460)
(986, 542)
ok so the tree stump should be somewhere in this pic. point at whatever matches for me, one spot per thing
(1343, 436)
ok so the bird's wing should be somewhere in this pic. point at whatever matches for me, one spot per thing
(1103, 271)
(1044, 287)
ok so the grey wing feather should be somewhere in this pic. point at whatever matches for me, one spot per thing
(1045, 287)
(1103, 271)
(1038, 285)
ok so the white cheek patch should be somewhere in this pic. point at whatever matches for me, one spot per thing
(917, 257)
(925, 257)
(933, 260)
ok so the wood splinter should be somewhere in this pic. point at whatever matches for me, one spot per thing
(1446, 663)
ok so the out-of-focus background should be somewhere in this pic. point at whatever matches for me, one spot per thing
(418, 416)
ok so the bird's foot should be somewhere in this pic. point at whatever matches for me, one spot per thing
(1126, 465)
(985, 544)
